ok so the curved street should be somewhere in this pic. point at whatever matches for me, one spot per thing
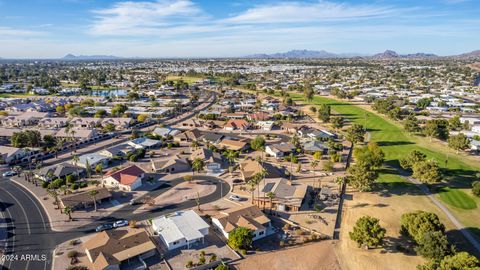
(29, 240)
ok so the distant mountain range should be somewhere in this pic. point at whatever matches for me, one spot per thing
(90, 57)
(388, 54)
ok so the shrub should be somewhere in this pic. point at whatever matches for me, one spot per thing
(189, 264)
(75, 186)
(476, 188)
(44, 184)
(72, 254)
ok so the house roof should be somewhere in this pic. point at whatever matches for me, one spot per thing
(237, 124)
(249, 168)
(144, 142)
(282, 147)
(61, 170)
(249, 216)
(9, 150)
(232, 144)
(207, 155)
(114, 246)
(285, 192)
(180, 225)
(80, 197)
(128, 175)
(169, 161)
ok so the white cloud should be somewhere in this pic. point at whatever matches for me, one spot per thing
(288, 12)
(9, 32)
(143, 18)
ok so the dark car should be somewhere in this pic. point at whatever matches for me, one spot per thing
(104, 227)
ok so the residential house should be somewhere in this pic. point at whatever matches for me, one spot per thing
(265, 125)
(86, 122)
(144, 143)
(91, 160)
(213, 160)
(11, 154)
(289, 127)
(180, 229)
(235, 145)
(61, 170)
(173, 164)
(249, 216)
(188, 136)
(259, 116)
(279, 150)
(236, 124)
(212, 138)
(166, 131)
(127, 179)
(108, 250)
(83, 199)
(77, 133)
(53, 122)
(249, 168)
(119, 123)
(311, 147)
(118, 151)
(288, 196)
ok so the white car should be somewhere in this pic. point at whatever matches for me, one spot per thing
(235, 198)
(9, 174)
(120, 223)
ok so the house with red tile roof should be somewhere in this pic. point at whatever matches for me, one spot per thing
(236, 124)
(127, 179)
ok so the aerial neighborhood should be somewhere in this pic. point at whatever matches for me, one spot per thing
(232, 164)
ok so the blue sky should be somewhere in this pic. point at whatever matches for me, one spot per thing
(196, 28)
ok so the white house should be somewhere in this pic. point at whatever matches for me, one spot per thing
(9, 154)
(91, 160)
(476, 128)
(128, 179)
(279, 150)
(180, 229)
(250, 217)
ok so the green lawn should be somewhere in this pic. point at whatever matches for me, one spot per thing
(396, 144)
(457, 198)
(187, 79)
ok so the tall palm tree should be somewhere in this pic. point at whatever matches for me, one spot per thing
(231, 156)
(271, 196)
(54, 194)
(314, 165)
(197, 165)
(93, 193)
(252, 183)
(194, 144)
(68, 211)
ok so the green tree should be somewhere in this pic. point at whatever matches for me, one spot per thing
(459, 142)
(240, 238)
(323, 112)
(460, 261)
(93, 193)
(361, 177)
(355, 133)
(197, 164)
(414, 157)
(109, 127)
(427, 171)
(222, 267)
(410, 124)
(423, 103)
(367, 232)
(68, 211)
(337, 122)
(99, 168)
(142, 118)
(436, 128)
(476, 188)
(258, 143)
(371, 155)
(416, 224)
(454, 123)
(433, 245)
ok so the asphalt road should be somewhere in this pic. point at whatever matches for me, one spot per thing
(30, 241)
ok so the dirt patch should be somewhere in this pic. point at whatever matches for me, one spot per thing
(388, 208)
(314, 256)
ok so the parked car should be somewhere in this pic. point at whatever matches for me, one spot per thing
(120, 223)
(9, 174)
(135, 202)
(104, 227)
(235, 198)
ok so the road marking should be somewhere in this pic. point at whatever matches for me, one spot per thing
(13, 229)
(23, 209)
(36, 205)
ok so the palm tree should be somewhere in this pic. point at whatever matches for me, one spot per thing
(197, 165)
(295, 141)
(271, 196)
(75, 159)
(93, 193)
(64, 189)
(54, 194)
(314, 165)
(261, 176)
(231, 156)
(194, 144)
(252, 183)
(68, 211)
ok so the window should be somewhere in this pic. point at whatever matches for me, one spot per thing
(261, 233)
